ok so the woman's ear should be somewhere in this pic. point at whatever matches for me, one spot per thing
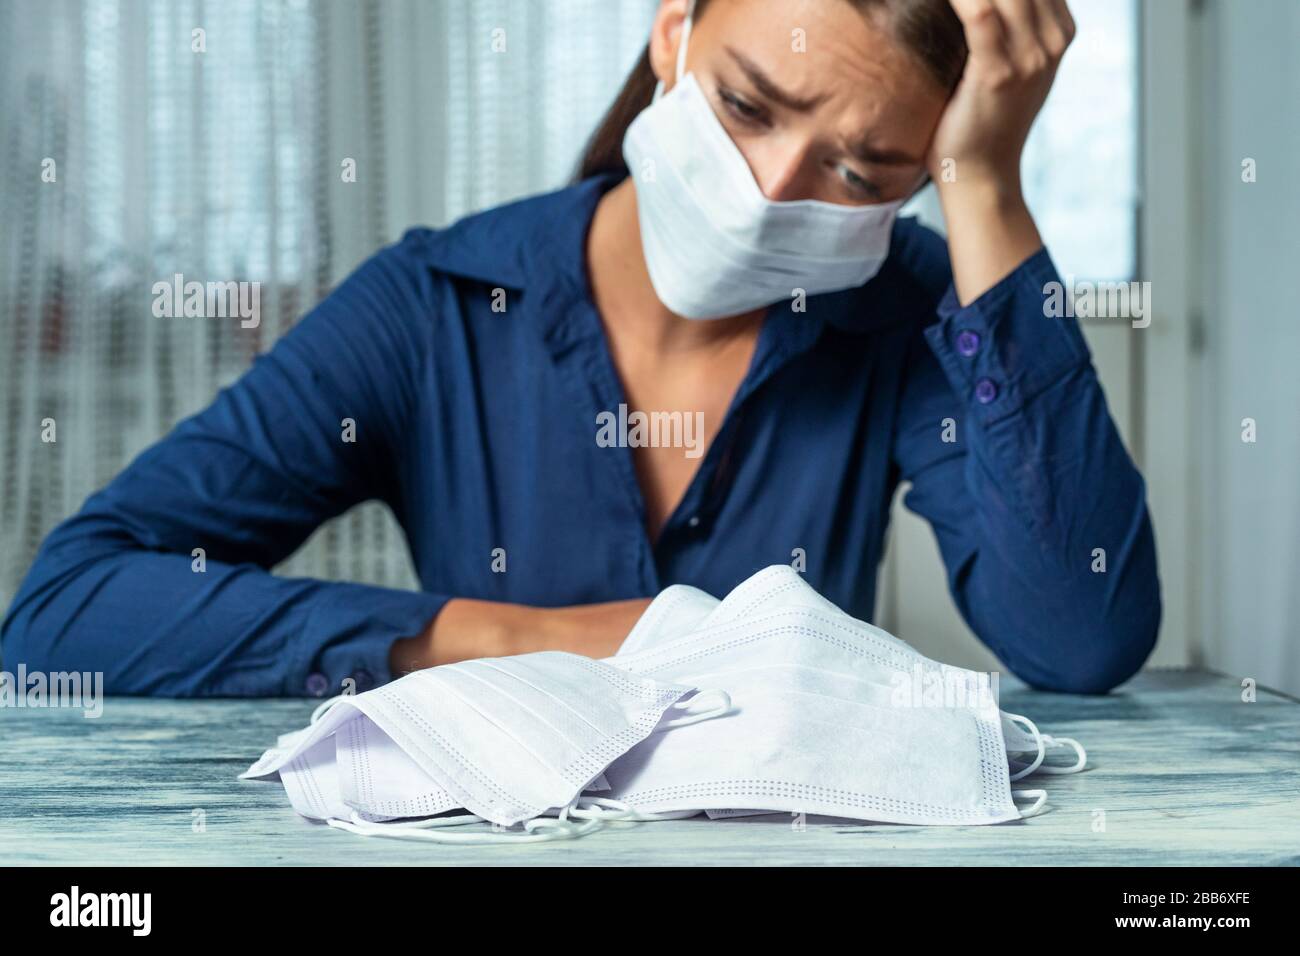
(665, 38)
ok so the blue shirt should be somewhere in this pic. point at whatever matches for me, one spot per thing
(477, 426)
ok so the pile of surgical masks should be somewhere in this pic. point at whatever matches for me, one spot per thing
(771, 700)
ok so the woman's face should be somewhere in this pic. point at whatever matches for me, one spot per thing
(822, 103)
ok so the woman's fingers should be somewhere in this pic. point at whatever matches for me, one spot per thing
(1056, 26)
(1037, 37)
(1028, 35)
(984, 32)
(1020, 24)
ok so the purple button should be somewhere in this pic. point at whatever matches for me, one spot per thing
(317, 684)
(364, 680)
(985, 391)
(968, 342)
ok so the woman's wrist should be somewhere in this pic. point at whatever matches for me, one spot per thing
(593, 630)
(463, 629)
(466, 628)
(990, 232)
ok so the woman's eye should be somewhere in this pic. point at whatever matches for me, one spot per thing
(742, 109)
(858, 184)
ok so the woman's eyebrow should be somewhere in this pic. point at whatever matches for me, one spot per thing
(861, 149)
(767, 88)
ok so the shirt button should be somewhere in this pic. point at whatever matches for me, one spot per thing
(985, 391)
(364, 680)
(694, 522)
(317, 684)
(968, 342)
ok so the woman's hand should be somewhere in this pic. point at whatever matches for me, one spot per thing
(974, 160)
(1015, 48)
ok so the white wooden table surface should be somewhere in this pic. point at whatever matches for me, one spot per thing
(1184, 771)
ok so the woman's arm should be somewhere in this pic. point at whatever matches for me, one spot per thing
(974, 161)
(118, 588)
(468, 628)
(1003, 432)
(1040, 514)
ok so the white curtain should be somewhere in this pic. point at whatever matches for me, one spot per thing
(1080, 164)
(225, 165)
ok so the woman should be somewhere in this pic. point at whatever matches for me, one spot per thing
(484, 380)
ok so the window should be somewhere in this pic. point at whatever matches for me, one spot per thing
(1080, 166)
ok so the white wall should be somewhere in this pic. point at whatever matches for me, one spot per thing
(1251, 257)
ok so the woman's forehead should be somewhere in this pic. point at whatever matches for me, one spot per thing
(845, 65)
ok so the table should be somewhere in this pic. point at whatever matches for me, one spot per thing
(1183, 772)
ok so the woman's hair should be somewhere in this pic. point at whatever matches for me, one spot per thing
(928, 29)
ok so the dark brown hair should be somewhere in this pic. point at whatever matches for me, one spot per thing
(928, 29)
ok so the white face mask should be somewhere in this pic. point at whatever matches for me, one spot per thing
(360, 769)
(348, 765)
(504, 738)
(679, 610)
(311, 782)
(676, 611)
(816, 727)
(714, 245)
(817, 724)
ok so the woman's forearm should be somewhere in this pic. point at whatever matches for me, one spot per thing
(466, 628)
(990, 233)
(976, 151)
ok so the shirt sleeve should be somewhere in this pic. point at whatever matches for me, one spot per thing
(1039, 511)
(162, 582)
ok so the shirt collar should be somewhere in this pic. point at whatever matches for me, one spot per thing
(538, 245)
(522, 244)
(558, 272)
(556, 257)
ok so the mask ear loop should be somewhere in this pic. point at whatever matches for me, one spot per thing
(686, 39)
(537, 830)
(1080, 762)
(325, 706)
(434, 823)
(616, 811)
(1048, 742)
(724, 706)
(1034, 808)
(1038, 739)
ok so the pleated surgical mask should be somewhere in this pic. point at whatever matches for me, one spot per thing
(503, 738)
(676, 611)
(714, 244)
(679, 610)
(819, 722)
(358, 769)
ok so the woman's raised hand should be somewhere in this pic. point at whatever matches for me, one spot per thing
(1015, 48)
(974, 160)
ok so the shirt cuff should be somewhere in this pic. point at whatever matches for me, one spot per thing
(1009, 344)
(349, 634)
